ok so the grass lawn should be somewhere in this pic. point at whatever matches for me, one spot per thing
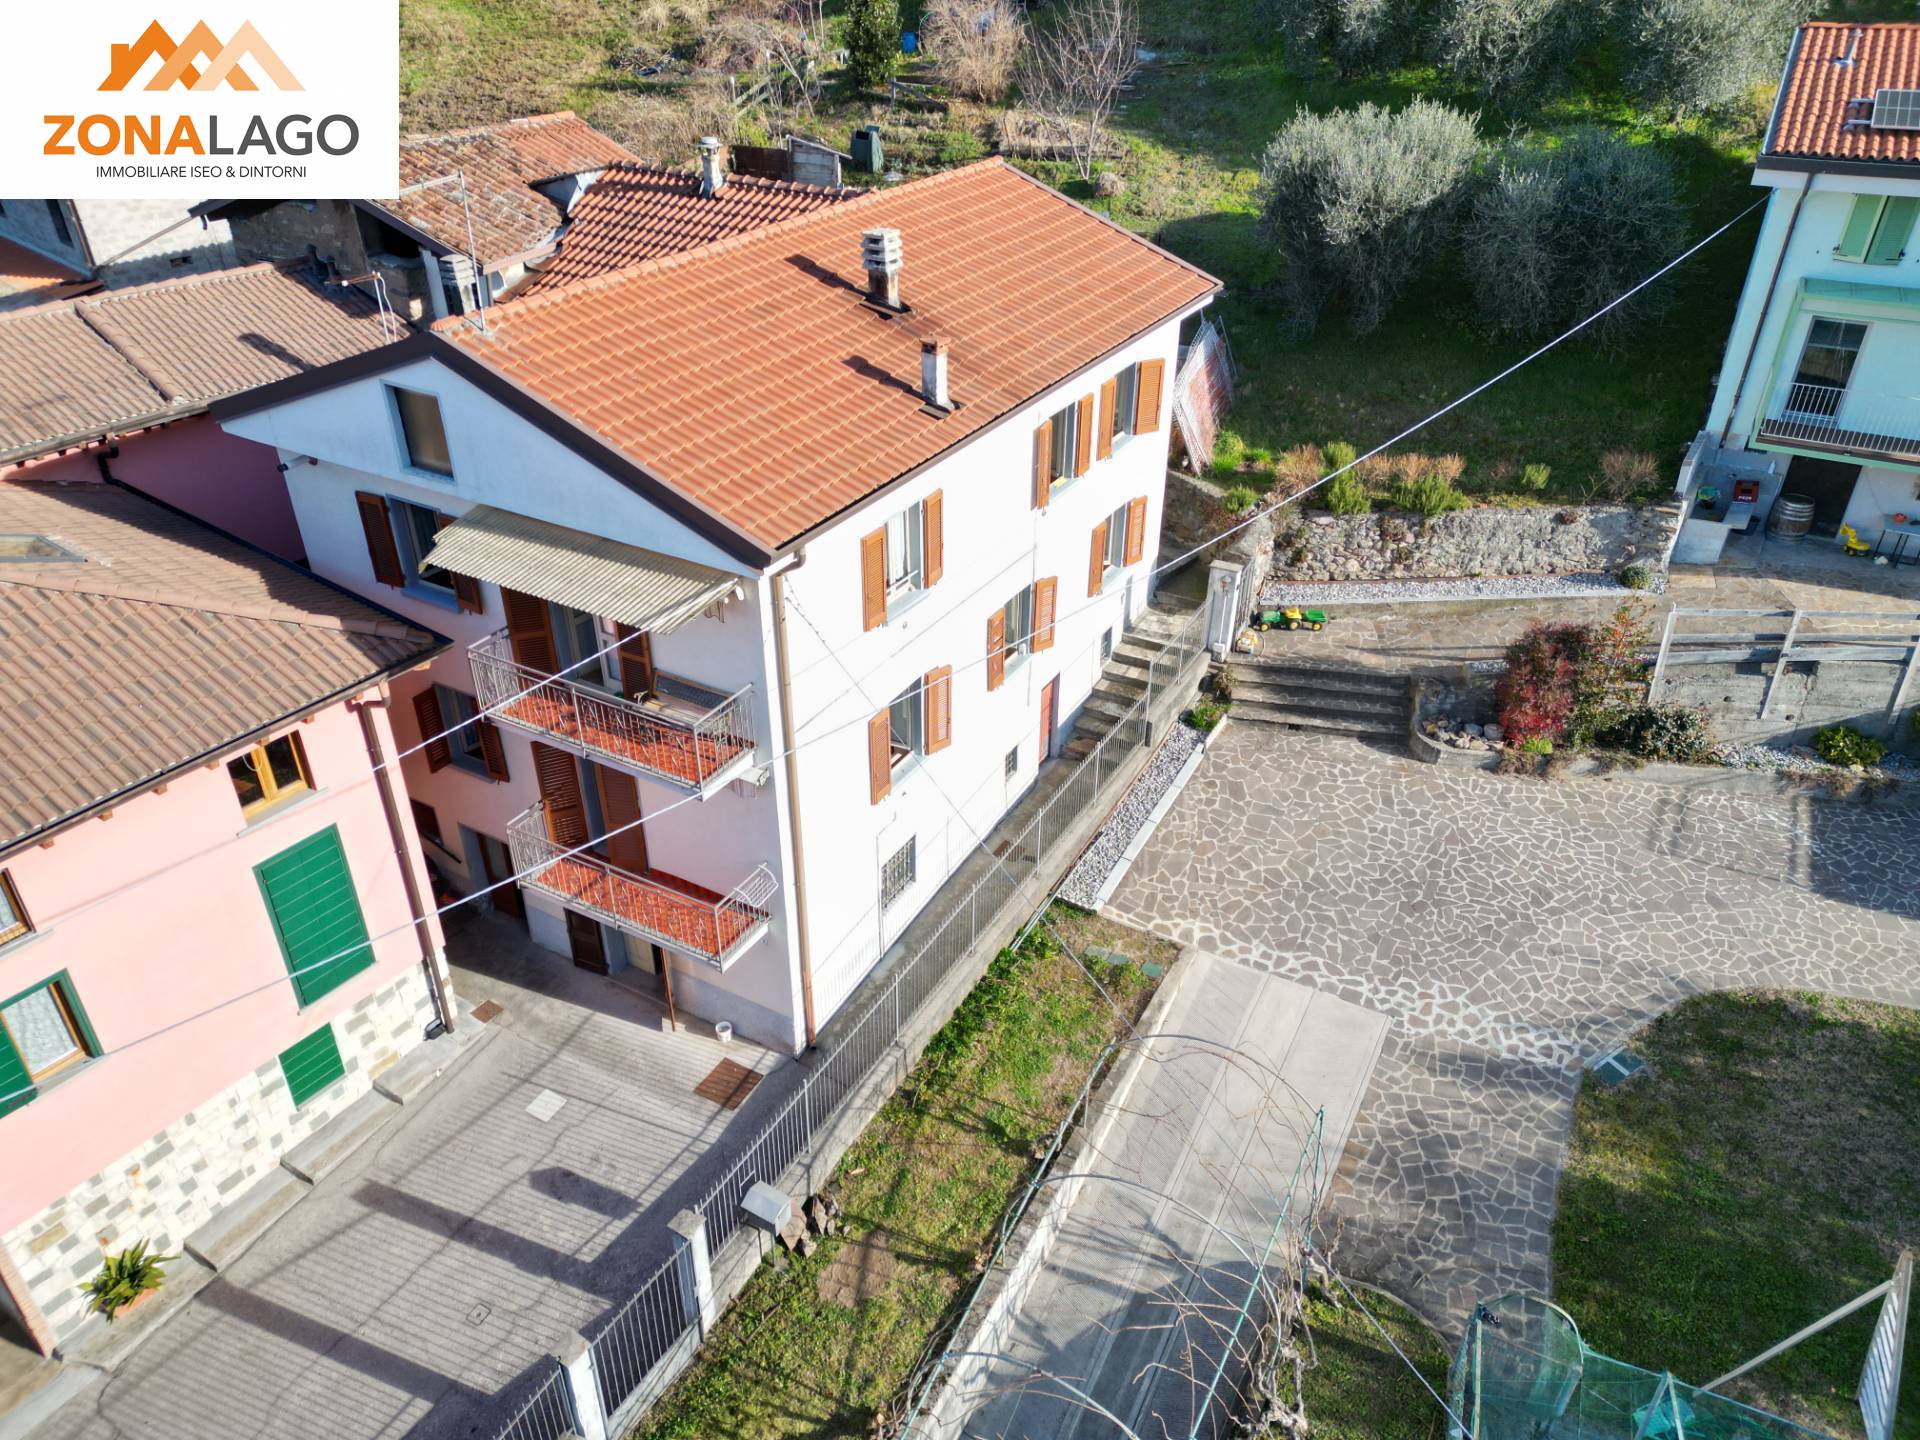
(1358, 1388)
(922, 1193)
(1767, 1170)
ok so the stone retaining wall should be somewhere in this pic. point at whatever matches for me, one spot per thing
(1192, 514)
(1534, 540)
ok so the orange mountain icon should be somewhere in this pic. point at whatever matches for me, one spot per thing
(177, 62)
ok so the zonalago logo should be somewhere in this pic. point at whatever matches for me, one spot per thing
(177, 61)
(245, 102)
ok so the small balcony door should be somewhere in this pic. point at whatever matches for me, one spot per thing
(1826, 368)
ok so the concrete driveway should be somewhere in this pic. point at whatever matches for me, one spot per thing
(1512, 928)
(419, 1286)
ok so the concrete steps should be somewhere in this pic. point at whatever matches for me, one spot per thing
(1123, 682)
(1321, 698)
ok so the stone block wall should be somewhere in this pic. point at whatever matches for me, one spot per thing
(1484, 540)
(168, 1188)
(1192, 514)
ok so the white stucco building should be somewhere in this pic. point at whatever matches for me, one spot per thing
(864, 497)
(1819, 393)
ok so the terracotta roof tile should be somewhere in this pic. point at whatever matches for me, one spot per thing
(640, 212)
(166, 641)
(1810, 117)
(500, 165)
(748, 374)
(121, 358)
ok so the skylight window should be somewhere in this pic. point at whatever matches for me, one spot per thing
(35, 550)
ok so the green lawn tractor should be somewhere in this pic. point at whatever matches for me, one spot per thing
(1291, 618)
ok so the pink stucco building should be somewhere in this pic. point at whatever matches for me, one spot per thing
(209, 945)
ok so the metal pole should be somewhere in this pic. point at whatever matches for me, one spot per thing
(1794, 1339)
(1666, 640)
(1773, 680)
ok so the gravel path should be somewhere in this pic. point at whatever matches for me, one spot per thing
(1486, 587)
(1082, 886)
(1801, 761)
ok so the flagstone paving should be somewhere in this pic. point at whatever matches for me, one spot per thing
(1512, 928)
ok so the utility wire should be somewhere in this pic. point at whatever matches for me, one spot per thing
(914, 690)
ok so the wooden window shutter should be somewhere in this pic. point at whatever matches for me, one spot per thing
(466, 589)
(1044, 592)
(316, 914)
(996, 649)
(620, 806)
(426, 712)
(1146, 402)
(1860, 224)
(1109, 401)
(939, 687)
(559, 781)
(880, 756)
(1097, 561)
(492, 751)
(1896, 226)
(932, 539)
(1042, 463)
(382, 549)
(873, 580)
(16, 1087)
(1136, 529)
(1083, 436)
(636, 661)
(529, 630)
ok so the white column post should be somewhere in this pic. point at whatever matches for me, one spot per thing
(576, 1361)
(689, 1229)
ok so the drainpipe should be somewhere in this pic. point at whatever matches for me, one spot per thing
(383, 780)
(793, 790)
(1766, 307)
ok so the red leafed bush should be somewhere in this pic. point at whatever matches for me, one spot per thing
(1536, 695)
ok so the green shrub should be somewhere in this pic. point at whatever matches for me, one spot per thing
(1687, 57)
(1353, 34)
(1658, 732)
(1536, 745)
(1844, 745)
(1229, 452)
(1636, 576)
(1220, 685)
(1514, 52)
(1338, 454)
(1206, 714)
(1572, 681)
(1534, 478)
(1346, 495)
(1430, 495)
(1238, 499)
(124, 1278)
(873, 40)
(957, 147)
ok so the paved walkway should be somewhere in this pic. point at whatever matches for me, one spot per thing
(1141, 1287)
(1512, 928)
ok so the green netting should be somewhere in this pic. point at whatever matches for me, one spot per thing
(1523, 1373)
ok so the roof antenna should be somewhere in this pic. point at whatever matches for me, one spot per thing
(477, 319)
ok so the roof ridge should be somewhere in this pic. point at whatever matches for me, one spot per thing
(658, 264)
(493, 127)
(84, 585)
(147, 287)
(734, 177)
(1112, 224)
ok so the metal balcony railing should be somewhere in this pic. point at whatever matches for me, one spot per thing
(689, 735)
(1834, 417)
(655, 905)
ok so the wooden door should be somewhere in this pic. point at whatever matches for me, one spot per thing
(1049, 704)
(584, 939)
(497, 860)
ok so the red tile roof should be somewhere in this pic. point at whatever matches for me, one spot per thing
(500, 165)
(640, 212)
(749, 376)
(120, 359)
(1810, 117)
(164, 642)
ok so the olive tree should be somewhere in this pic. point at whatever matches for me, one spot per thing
(1511, 51)
(1689, 57)
(1353, 34)
(1354, 202)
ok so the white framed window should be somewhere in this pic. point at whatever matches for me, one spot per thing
(1116, 542)
(422, 431)
(415, 527)
(1065, 434)
(1017, 616)
(906, 720)
(898, 874)
(46, 1028)
(1126, 394)
(906, 551)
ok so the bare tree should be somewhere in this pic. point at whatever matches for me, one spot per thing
(1075, 69)
(975, 44)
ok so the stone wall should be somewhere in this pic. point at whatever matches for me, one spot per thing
(1192, 514)
(1484, 540)
(1810, 696)
(168, 1188)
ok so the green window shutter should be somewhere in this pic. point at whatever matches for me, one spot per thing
(1896, 224)
(312, 1064)
(316, 914)
(1859, 232)
(13, 1076)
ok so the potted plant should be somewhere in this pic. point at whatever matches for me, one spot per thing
(125, 1281)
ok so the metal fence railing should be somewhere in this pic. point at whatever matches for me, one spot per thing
(643, 1331)
(548, 1413)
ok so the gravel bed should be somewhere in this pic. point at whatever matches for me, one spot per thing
(1798, 760)
(1082, 886)
(1485, 587)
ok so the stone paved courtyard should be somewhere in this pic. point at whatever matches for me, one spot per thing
(1511, 928)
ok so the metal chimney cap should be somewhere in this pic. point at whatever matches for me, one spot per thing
(710, 143)
(880, 249)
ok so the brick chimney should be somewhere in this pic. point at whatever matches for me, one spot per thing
(933, 374)
(712, 177)
(880, 253)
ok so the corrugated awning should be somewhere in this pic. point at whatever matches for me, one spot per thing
(636, 587)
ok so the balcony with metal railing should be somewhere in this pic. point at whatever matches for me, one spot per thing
(687, 734)
(654, 904)
(1869, 425)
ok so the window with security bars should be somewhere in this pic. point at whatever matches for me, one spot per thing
(896, 876)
